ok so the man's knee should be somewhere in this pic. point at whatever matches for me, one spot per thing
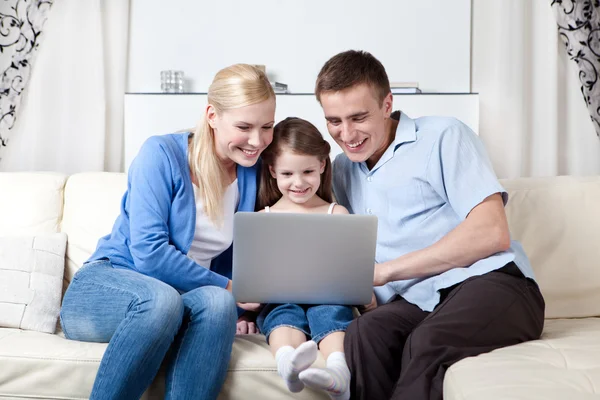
(421, 342)
(366, 330)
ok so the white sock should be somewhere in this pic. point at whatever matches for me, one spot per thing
(335, 379)
(290, 362)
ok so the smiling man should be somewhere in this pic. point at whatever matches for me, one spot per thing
(449, 282)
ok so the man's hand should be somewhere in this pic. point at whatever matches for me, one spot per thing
(368, 307)
(246, 325)
(254, 307)
(381, 274)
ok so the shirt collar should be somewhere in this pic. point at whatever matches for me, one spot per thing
(405, 133)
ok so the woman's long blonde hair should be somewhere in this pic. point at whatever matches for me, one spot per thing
(236, 86)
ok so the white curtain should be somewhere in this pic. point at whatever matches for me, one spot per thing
(533, 119)
(71, 117)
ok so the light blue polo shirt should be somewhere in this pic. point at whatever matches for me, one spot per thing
(425, 184)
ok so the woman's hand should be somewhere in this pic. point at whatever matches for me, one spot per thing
(246, 324)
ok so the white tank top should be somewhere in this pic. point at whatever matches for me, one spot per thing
(210, 240)
(329, 211)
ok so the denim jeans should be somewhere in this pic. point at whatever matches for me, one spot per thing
(316, 321)
(143, 320)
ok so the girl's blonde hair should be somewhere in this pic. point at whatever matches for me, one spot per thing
(301, 137)
(233, 87)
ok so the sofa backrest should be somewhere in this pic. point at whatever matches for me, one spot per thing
(556, 219)
(30, 203)
(558, 222)
(92, 203)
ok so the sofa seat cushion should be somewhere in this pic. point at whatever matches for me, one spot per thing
(563, 364)
(39, 365)
(253, 373)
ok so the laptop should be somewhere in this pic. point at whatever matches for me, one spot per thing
(303, 258)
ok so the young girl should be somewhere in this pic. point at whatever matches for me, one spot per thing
(296, 177)
(161, 280)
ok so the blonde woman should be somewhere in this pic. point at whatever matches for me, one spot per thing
(160, 280)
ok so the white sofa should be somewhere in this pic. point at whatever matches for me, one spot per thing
(556, 219)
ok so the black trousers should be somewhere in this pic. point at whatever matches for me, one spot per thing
(400, 352)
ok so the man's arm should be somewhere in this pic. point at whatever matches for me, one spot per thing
(484, 232)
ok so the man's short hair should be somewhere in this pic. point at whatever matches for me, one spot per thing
(351, 68)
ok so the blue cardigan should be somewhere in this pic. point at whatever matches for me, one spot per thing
(155, 228)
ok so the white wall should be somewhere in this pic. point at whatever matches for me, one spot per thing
(427, 41)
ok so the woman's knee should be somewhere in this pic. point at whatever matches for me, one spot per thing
(167, 301)
(211, 302)
(157, 311)
(159, 304)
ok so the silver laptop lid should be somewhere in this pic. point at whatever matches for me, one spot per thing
(303, 258)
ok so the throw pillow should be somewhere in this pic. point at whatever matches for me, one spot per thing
(31, 275)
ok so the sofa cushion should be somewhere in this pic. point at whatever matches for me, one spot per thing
(31, 274)
(31, 202)
(37, 365)
(563, 364)
(558, 222)
(253, 374)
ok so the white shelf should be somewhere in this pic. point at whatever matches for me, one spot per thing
(148, 114)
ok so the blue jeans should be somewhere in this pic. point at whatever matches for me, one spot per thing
(142, 319)
(316, 321)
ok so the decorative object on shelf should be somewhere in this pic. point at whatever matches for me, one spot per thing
(21, 25)
(171, 81)
(579, 28)
(279, 87)
(404, 87)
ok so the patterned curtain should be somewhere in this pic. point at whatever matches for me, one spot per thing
(21, 23)
(579, 27)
